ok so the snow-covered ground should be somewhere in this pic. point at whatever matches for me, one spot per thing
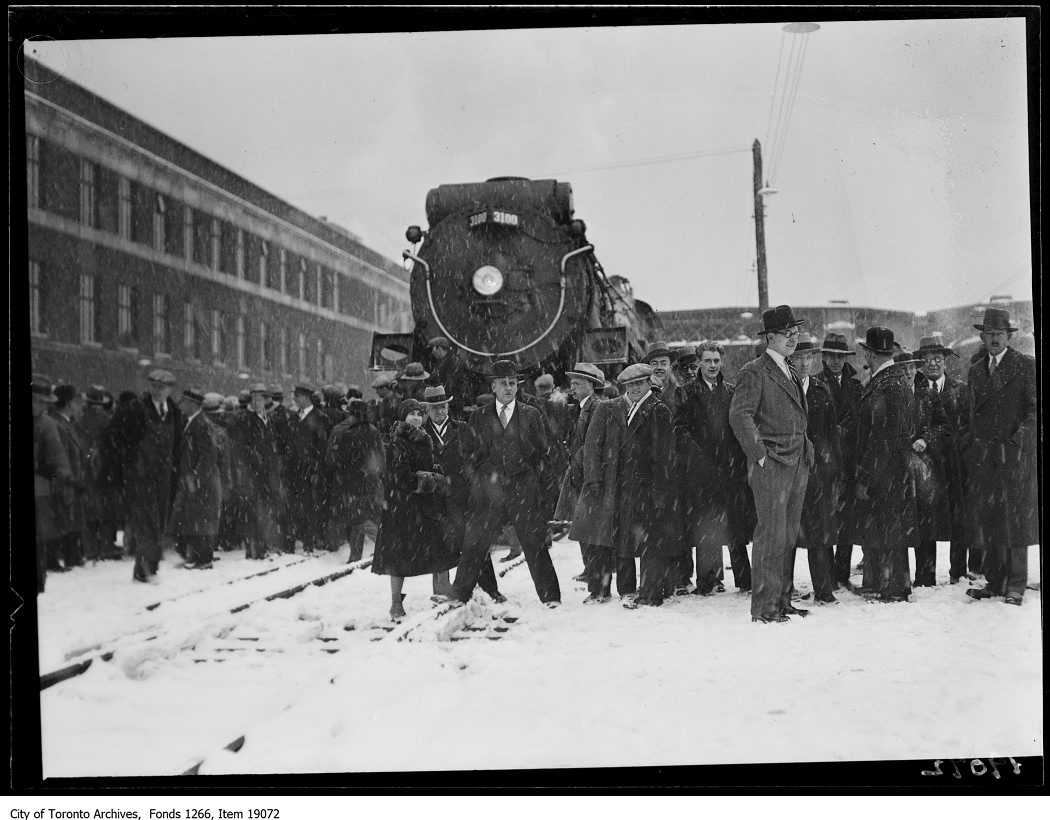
(313, 684)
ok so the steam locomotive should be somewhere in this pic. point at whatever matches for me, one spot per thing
(505, 271)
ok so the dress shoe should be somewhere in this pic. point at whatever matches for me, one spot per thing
(954, 580)
(721, 587)
(744, 590)
(205, 565)
(807, 596)
(498, 598)
(972, 576)
(770, 619)
(510, 556)
(1012, 599)
(831, 600)
(981, 594)
(685, 590)
(581, 578)
(893, 599)
(596, 599)
(552, 604)
(802, 613)
(648, 601)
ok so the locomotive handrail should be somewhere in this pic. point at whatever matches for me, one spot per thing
(537, 340)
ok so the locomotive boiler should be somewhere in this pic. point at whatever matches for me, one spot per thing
(505, 270)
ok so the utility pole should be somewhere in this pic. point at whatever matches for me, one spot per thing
(760, 229)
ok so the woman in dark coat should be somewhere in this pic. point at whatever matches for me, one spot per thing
(410, 541)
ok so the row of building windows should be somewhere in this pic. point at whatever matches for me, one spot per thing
(206, 334)
(63, 183)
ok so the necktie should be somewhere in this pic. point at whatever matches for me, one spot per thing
(991, 365)
(160, 411)
(504, 419)
(795, 378)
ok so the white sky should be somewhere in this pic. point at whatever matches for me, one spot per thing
(903, 181)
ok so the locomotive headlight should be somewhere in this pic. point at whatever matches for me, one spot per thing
(488, 280)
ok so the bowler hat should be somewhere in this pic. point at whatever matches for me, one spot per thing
(880, 340)
(654, 349)
(194, 394)
(43, 389)
(779, 318)
(96, 394)
(586, 370)
(213, 403)
(438, 341)
(414, 372)
(931, 344)
(836, 343)
(906, 357)
(434, 396)
(634, 372)
(504, 369)
(161, 377)
(686, 356)
(65, 393)
(996, 319)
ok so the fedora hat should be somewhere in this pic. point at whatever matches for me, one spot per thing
(686, 356)
(258, 387)
(504, 369)
(213, 403)
(634, 372)
(931, 344)
(586, 370)
(303, 389)
(195, 394)
(805, 346)
(779, 318)
(44, 389)
(996, 319)
(414, 372)
(96, 394)
(880, 340)
(161, 377)
(836, 343)
(65, 393)
(434, 396)
(906, 357)
(276, 391)
(439, 341)
(654, 349)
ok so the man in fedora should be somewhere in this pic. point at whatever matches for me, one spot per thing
(841, 378)
(444, 432)
(719, 506)
(384, 408)
(356, 462)
(198, 499)
(505, 450)
(584, 379)
(70, 512)
(999, 445)
(884, 509)
(262, 490)
(149, 433)
(413, 381)
(954, 398)
(307, 488)
(768, 414)
(50, 471)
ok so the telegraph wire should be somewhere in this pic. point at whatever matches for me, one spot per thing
(639, 162)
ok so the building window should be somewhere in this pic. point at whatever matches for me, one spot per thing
(302, 354)
(253, 256)
(242, 350)
(320, 359)
(33, 171)
(265, 347)
(189, 333)
(202, 238)
(329, 367)
(282, 272)
(303, 288)
(88, 314)
(291, 274)
(88, 206)
(227, 247)
(37, 298)
(285, 352)
(218, 336)
(161, 323)
(59, 180)
(127, 306)
(107, 200)
(124, 188)
(143, 205)
(272, 263)
(327, 288)
(174, 227)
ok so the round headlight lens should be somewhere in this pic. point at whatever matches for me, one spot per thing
(488, 280)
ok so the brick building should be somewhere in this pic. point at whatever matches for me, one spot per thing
(143, 253)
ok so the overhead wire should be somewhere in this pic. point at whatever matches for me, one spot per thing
(776, 82)
(651, 161)
(780, 94)
(790, 108)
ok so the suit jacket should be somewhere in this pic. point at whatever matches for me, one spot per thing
(768, 415)
(482, 442)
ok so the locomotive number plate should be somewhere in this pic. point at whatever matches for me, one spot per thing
(492, 218)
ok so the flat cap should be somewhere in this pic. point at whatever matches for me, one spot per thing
(634, 372)
(161, 377)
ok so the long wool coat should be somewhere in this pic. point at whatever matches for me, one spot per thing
(885, 427)
(448, 454)
(931, 484)
(998, 441)
(69, 500)
(356, 463)
(572, 480)
(819, 523)
(50, 472)
(198, 497)
(410, 540)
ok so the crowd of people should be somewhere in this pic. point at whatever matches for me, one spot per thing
(653, 473)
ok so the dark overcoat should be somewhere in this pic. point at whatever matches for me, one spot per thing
(572, 480)
(999, 446)
(955, 401)
(819, 523)
(356, 462)
(931, 480)
(257, 443)
(69, 500)
(50, 473)
(148, 451)
(101, 500)
(598, 504)
(648, 490)
(449, 454)
(198, 497)
(410, 540)
(307, 466)
(718, 501)
(885, 429)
